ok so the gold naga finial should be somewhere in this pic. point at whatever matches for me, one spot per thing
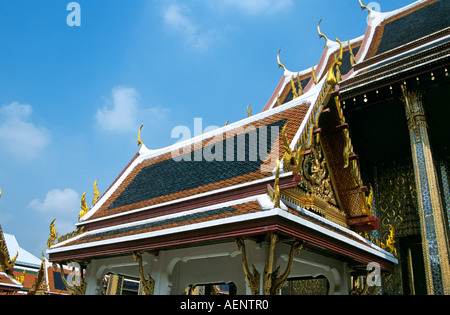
(84, 207)
(334, 74)
(300, 88)
(280, 65)
(294, 90)
(140, 143)
(276, 187)
(249, 111)
(352, 56)
(320, 33)
(287, 151)
(53, 235)
(96, 193)
(314, 75)
(363, 7)
(226, 124)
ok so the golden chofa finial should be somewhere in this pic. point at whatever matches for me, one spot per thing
(280, 65)
(96, 193)
(294, 90)
(140, 143)
(276, 187)
(320, 33)
(53, 235)
(300, 88)
(363, 7)
(84, 207)
(249, 111)
(334, 74)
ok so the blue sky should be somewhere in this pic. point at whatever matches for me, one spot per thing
(73, 98)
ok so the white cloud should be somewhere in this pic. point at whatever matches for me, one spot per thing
(123, 115)
(58, 202)
(177, 18)
(259, 7)
(62, 205)
(123, 112)
(19, 136)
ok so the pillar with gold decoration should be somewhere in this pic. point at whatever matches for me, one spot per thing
(432, 219)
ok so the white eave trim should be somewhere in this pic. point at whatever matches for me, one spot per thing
(367, 247)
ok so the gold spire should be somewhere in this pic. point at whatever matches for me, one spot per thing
(84, 207)
(320, 33)
(140, 143)
(96, 193)
(280, 65)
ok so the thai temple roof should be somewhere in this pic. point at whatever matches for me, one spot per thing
(208, 189)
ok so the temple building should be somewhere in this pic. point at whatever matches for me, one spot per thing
(339, 186)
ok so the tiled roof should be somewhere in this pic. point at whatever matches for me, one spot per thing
(161, 178)
(410, 26)
(185, 219)
(7, 282)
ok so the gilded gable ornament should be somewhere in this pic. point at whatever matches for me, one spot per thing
(280, 65)
(84, 207)
(139, 140)
(315, 176)
(53, 235)
(96, 194)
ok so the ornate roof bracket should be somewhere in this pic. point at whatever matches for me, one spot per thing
(253, 277)
(74, 289)
(147, 284)
(272, 282)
